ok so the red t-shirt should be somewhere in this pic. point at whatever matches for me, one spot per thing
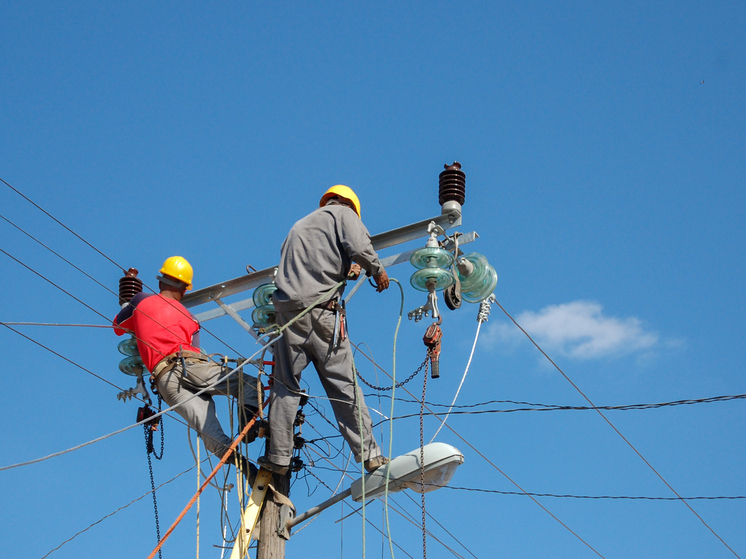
(161, 326)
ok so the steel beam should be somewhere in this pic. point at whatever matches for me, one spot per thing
(381, 241)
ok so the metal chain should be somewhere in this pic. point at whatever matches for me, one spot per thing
(422, 461)
(398, 384)
(150, 450)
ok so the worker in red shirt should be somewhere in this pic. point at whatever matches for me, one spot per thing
(168, 339)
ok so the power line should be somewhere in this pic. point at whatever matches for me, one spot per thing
(100, 520)
(593, 497)
(80, 270)
(30, 201)
(567, 378)
(559, 407)
(57, 254)
(29, 268)
(523, 491)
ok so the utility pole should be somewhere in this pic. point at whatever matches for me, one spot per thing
(451, 193)
(271, 544)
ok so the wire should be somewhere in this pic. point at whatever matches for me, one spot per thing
(391, 414)
(594, 497)
(567, 378)
(149, 419)
(99, 521)
(358, 511)
(61, 356)
(109, 326)
(86, 274)
(86, 305)
(59, 222)
(558, 407)
(501, 472)
(57, 254)
(406, 494)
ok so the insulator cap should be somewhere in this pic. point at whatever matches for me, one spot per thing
(452, 184)
(129, 286)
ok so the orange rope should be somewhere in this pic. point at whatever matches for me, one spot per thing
(223, 460)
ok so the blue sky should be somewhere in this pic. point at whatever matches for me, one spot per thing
(604, 150)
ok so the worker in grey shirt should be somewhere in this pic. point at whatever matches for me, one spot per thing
(322, 249)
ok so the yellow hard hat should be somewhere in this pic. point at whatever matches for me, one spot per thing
(344, 192)
(178, 268)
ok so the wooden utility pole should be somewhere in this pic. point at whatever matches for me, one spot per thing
(271, 544)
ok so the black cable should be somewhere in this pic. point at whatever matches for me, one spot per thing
(94, 248)
(593, 497)
(58, 255)
(617, 431)
(58, 221)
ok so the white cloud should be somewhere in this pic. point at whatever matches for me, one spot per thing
(580, 330)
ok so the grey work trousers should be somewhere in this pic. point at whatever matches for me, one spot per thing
(176, 389)
(309, 340)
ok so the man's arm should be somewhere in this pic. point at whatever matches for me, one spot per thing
(123, 321)
(356, 241)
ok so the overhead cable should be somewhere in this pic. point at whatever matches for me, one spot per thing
(594, 497)
(558, 407)
(565, 526)
(567, 378)
(100, 520)
(59, 222)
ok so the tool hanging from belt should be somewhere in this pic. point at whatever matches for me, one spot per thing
(433, 336)
(340, 321)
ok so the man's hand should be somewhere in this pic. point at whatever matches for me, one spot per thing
(354, 272)
(382, 281)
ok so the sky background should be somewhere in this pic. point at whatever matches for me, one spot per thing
(604, 148)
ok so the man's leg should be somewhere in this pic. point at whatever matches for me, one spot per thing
(290, 360)
(337, 377)
(198, 411)
(239, 385)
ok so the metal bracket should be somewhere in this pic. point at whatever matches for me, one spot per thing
(287, 513)
(234, 315)
(431, 306)
(138, 389)
(380, 242)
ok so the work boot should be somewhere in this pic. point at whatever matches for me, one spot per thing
(253, 432)
(372, 464)
(248, 469)
(267, 464)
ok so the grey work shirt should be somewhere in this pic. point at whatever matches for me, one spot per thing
(317, 254)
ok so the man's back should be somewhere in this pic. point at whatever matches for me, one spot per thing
(317, 254)
(162, 326)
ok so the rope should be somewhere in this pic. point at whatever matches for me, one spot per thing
(391, 423)
(463, 378)
(191, 502)
(358, 395)
(503, 473)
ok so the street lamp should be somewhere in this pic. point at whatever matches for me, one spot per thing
(405, 471)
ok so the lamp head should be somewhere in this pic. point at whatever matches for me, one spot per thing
(441, 461)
